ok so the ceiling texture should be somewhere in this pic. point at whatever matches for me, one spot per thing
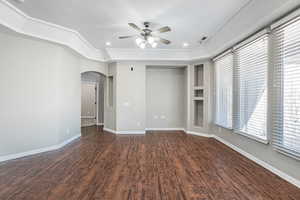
(101, 21)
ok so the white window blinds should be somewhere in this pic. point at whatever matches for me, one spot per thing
(250, 78)
(223, 89)
(286, 106)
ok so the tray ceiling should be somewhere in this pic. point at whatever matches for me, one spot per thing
(100, 21)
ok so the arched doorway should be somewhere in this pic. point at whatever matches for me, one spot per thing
(92, 99)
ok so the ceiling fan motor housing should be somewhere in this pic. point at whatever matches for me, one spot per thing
(147, 24)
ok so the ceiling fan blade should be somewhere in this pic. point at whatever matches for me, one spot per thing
(125, 37)
(163, 30)
(164, 41)
(135, 26)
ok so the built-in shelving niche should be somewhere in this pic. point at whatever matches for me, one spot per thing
(199, 75)
(198, 119)
(198, 95)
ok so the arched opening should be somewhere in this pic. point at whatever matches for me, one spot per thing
(92, 99)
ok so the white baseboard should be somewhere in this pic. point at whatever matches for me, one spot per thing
(88, 125)
(139, 132)
(134, 132)
(165, 129)
(100, 124)
(109, 130)
(261, 163)
(37, 151)
(199, 134)
(265, 165)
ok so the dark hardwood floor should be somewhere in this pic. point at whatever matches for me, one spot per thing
(157, 166)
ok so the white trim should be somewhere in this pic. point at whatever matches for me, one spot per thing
(137, 54)
(17, 20)
(100, 124)
(109, 130)
(253, 137)
(200, 134)
(165, 129)
(87, 117)
(265, 165)
(261, 163)
(20, 22)
(37, 151)
(97, 102)
(133, 132)
(88, 125)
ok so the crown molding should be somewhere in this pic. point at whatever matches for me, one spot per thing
(137, 54)
(20, 22)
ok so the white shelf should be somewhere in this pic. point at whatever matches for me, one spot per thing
(198, 95)
(199, 88)
(199, 98)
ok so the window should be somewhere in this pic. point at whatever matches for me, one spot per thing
(223, 83)
(250, 77)
(286, 108)
(110, 91)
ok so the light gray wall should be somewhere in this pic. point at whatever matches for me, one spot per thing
(40, 94)
(93, 66)
(131, 94)
(28, 117)
(165, 97)
(110, 112)
(68, 88)
(129, 114)
(261, 151)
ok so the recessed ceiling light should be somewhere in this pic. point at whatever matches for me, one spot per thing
(108, 44)
(185, 44)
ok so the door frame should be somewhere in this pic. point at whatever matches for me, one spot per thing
(97, 100)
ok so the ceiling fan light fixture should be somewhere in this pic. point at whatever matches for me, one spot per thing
(151, 40)
(142, 45)
(147, 37)
(154, 45)
(139, 41)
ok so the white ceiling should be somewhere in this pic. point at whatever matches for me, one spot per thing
(100, 21)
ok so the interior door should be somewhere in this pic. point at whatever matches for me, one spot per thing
(88, 104)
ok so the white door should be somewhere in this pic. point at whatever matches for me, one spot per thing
(88, 104)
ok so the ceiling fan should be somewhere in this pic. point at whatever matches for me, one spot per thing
(147, 36)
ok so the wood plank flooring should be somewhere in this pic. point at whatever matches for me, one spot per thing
(157, 166)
